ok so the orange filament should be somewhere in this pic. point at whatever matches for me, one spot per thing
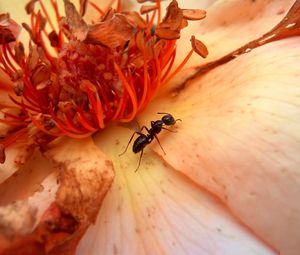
(179, 67)
(131, 94)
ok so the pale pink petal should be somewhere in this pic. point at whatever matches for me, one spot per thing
(157, 211)
(231, 24)
(239, 138)
(228, 25)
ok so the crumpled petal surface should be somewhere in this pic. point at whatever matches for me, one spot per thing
(239, 138)
(85, 175)
(157, 211)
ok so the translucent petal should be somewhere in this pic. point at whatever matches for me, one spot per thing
(239, 138)
(25, 179)
(228, 25)
(157, 211)
(231, 24)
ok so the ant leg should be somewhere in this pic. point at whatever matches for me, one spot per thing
(143, 127)
(178, 120)
(160, 144)
(139, 133)
(128, 143)
(156, 140)
(139, 161)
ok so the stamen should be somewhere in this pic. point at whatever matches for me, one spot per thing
(7, 58)
(76, 79)
(145, 85)
(179, 67)
(131, 93)
(46, 15)
(12, 138)
(84, 122)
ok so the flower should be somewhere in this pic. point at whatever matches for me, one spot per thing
(157, 210)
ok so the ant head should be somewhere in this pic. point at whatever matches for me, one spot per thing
(168, 120)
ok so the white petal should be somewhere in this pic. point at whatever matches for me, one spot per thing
(156, 211)
(240, 139)
(46, 195)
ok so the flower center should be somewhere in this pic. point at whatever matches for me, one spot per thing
(85, 69)
(100, 73)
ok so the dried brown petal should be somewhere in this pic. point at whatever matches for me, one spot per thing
(41, 20)
(199, 47)
(111, 33)
(78, 27)
(172, 23)
(19, 52)
(134, 18)
(147, 8)
(19, 87)
(17, 75)
(173, 16)
(30, 6)
(6, 36)
(4, 17)
(53, 38)
(167, 34)
(9, 29)
(18, 84)
(33, 58)
(194, 14)
(30, 32)
(40, 74)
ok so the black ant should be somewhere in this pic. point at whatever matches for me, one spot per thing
(144, 139)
